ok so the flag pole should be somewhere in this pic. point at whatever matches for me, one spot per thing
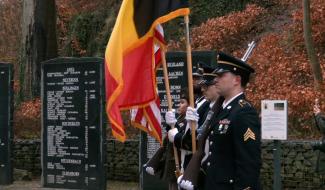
(189, 78)
(169, 101)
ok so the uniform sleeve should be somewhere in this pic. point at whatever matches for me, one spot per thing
(247, 144)
(320, 122)
(183, 140)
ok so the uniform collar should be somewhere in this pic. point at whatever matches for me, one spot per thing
(211, 104)
(225, 104)
(200, 103)
(181, 118)
(231, 104)
(199, 99)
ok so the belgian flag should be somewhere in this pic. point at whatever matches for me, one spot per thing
(129, 57)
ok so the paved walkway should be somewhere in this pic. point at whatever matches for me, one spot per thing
(36, 185)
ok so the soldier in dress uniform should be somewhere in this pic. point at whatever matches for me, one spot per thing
(162, 164)
(232, 158)
(197, 76)
(183, 139)
(192, 172)
(200, 88)
(210, 93)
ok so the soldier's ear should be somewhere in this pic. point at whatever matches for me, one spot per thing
(237, 79)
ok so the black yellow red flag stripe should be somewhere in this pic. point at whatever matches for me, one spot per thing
(150, 11)
(129, 57)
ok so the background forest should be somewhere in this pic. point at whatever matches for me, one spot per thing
(280, 59)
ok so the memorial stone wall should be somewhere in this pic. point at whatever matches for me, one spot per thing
(297, 162)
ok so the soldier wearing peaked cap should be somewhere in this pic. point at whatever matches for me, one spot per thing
(197, 80)
(208, 84)
(182, 137)
(233, 154)
(192, 172)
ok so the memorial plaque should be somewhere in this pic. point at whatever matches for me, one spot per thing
(274, 119)
(6, 114)
(177, 74)
(73, 136)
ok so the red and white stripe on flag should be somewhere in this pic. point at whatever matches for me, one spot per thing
(148, 118)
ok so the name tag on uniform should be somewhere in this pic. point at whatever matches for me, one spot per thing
(224, 122)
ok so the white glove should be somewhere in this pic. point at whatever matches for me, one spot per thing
(171, 134)
(179, 179)
(150, 170)
(191, 114)
(185, 184)
(170, 118)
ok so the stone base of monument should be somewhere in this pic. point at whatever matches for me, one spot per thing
(22, 175)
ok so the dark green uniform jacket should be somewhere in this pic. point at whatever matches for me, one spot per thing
(233, 160)
(183, 139)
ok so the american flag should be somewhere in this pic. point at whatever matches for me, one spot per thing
(148, 118)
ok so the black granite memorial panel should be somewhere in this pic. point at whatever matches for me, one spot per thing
(6, 134)
(73, 148)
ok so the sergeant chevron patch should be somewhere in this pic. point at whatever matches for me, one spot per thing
(249, 134)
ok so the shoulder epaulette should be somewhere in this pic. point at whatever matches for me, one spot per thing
(244, 103)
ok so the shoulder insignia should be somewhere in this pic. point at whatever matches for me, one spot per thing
(249, 134)
(243, 103)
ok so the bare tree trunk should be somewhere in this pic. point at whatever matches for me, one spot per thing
(39, 43)
(318, 79)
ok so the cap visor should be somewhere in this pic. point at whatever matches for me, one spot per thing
(196, 75)
(220, 71)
